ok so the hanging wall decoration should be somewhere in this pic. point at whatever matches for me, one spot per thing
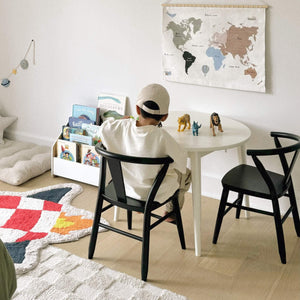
(24, 64)
(215, 45)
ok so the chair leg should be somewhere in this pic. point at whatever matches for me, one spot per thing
(145, 246)
(94, 235)
(129, 219)
(220, 214)
(240, 202)
(295, 212)
(279, 231)
(176, 210)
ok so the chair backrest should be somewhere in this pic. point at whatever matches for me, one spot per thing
(114, 161)
(281, 152)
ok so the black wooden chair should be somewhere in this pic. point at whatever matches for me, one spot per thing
(258, 182)
(114, 193)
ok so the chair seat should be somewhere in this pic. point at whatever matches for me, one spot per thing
(248, 180)
(132, 203)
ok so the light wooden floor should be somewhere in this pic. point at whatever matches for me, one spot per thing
(243, 265)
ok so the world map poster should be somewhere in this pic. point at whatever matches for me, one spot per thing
(215, 46)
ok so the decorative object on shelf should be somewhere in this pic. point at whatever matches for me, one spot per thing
(215, 121)
(184, 120)
(195, 128)
(23, 64)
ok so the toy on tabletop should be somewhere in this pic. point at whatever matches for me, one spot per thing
(23, 64)
(184, 120)
(215, 121)
(195, 128)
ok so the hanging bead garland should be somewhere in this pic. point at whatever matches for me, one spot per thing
(23, 64)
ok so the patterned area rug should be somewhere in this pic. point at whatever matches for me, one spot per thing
(30, 221)
(62, 275)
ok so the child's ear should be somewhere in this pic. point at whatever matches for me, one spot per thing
(138, 110)
(164, 118)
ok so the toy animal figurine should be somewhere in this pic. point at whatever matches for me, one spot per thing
(184, 120)
(215, 121)
(195, 128)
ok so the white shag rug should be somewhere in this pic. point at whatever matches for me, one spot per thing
(64, 276)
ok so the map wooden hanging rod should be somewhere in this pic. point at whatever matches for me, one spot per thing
(213, 5)
(24, 64)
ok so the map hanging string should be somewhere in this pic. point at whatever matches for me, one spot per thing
(24, 64)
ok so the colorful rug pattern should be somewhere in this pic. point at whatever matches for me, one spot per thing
(29, 221)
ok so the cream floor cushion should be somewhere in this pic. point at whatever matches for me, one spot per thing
(21, 161)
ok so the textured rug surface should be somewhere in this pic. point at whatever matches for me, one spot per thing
(62, 275)
(29, 221)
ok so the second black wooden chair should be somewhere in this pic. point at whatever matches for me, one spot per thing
(114, 193)
(258, 182)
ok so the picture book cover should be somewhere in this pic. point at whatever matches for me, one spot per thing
(111, 102)
(86, 112)
(77, 122)
(66, 131)
(66, 150)
(89, 156)
(82, 139)
(93, 131)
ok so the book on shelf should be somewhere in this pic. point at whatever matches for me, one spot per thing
(67, 150)
(111, 102)
(82, 139)
(89, 156)
(77, 122)
(66, 131)
(93, 131)
(86, 112)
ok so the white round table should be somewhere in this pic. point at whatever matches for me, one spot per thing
(235, 134)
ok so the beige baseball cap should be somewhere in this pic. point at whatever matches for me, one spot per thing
(156, 93)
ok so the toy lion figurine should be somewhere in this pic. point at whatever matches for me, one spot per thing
(215, 121)
(184, 120)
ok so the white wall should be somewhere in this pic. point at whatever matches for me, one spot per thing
(84, 47)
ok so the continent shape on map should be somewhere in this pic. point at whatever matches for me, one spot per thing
(217, 56)
(235, 41)
(189, 60)
(182, 33)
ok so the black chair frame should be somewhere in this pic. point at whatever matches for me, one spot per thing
(114, 193)
(258, 182)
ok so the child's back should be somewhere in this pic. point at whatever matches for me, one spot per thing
(145, 138)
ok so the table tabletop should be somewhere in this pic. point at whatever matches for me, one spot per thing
(235, 133)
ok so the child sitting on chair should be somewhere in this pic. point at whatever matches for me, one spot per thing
(145, 138)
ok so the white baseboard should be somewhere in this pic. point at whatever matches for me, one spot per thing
(22, 136)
